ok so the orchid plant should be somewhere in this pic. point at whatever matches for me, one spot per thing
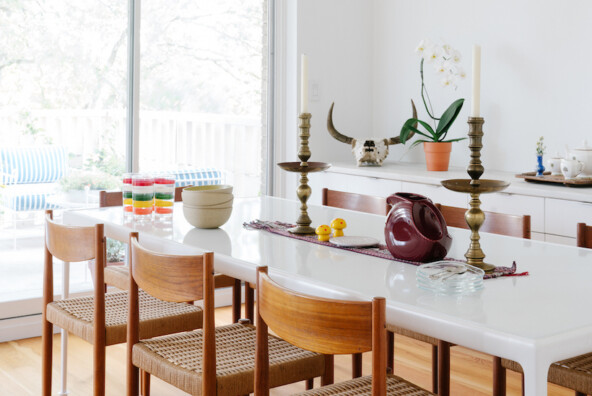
(446, 62)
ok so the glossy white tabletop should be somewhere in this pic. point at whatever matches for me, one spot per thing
(535, 319)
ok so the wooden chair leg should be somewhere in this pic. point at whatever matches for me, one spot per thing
(309, 383)
(390, 352)
(435, 369)
(499, 377)
(145, 383)
(46, 360)
(236, 301)
(443, 368)
(356, 365)
(328, 376)
(99, 369)
(249, 302)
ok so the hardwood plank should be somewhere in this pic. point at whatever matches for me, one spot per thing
(20, 368)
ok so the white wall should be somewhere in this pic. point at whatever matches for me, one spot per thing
(535, 79)
(338, 38)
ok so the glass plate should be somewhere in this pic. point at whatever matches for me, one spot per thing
(449, 277)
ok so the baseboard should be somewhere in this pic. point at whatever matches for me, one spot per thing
(29, 326)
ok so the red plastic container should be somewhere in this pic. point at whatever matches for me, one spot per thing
(415, 229)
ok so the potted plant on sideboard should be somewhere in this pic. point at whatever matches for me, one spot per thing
(437, 147)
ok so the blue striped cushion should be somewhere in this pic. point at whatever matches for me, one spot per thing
(35, 201)
(45, 164)
(197, 177)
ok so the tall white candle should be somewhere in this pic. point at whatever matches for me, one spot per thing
(476, 103)
(304, 84)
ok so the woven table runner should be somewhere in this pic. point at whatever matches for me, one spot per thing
(381, 251)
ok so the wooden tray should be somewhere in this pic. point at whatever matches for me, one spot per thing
(556, 179)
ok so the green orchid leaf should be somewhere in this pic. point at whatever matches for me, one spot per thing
(420, 141)
(453, 140)
(448, 117)
(407, 129)
(427, 127)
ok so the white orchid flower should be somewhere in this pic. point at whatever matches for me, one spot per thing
(447, 81)
(423, 46)
(460, 72)
(431, 54)
(446, 48)
(440, 67)
(448, 65)
(455, 56)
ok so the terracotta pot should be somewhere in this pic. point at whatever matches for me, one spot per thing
(437, 155)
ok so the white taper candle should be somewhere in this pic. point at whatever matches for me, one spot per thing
(304, 84)
(476, 103)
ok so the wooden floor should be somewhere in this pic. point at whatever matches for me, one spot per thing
(20, 367)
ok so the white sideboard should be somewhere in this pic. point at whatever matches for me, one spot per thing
(554, 209)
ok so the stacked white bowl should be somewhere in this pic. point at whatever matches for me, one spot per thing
(207, 206)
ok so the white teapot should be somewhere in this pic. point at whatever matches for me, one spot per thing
(584, 155)
(570, 168)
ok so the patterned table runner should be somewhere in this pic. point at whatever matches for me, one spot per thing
(381, 251)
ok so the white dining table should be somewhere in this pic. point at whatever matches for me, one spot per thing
(535, 320)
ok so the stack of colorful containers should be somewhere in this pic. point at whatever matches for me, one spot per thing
(127, 194)
(143, 196)
(164, 196)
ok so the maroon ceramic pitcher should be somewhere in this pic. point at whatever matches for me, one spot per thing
(415, 229)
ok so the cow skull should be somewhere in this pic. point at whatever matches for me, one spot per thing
(369, 152)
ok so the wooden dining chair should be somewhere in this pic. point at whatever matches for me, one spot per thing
(573, 373)
(584, 235)
(118, 275)
(353, 201)
(378, 205)
(209, 361)
(100, 319)
(366, 204)
(329, 327)
(495, 223)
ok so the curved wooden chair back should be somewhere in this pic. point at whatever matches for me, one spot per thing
(172, 278)
(320, 325)
(495, 223)
(70, 243)
(584, 235)
(115, 198)
(353, 201)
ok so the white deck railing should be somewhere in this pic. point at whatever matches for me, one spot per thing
(168, 140)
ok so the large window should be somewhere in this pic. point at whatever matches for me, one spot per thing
(200, 88)
(64, 112)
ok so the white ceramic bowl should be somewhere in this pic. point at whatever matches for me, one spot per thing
(227, 204)
(212, 188)
(205, 198)
(206, 217)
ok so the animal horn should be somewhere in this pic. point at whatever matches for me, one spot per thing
(334, 132)
(397, 140)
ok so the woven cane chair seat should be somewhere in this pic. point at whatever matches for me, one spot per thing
(118, 276)
(412, 334)
(177, 359)
(76, 315)
(363, 386)
(573, 373)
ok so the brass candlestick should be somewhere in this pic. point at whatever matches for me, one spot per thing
(475, 187)
(304, 168)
